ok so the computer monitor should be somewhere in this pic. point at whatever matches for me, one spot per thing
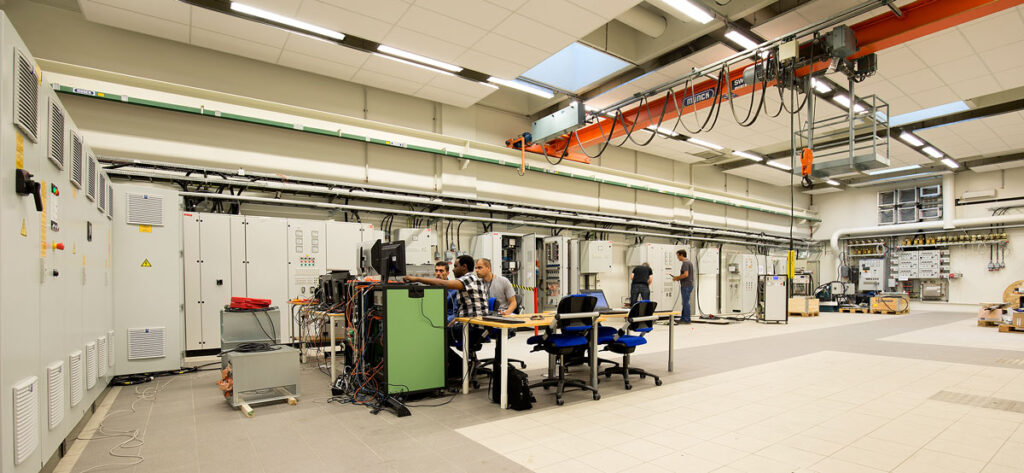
(602, 301)
(388, 259)
(331, 286)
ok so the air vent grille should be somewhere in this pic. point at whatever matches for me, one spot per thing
(90, 189)
(76, 159)
(56, 150)
(144, 343)
(75, 374)
(55, 393)
(90, 365)
(101, 351)
(110, 200)
(26, 99)
(26, 418)
(145, 209)
(110, 347)
(101, 203)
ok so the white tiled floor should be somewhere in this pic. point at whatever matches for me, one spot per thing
(962, 333)
(824, 412)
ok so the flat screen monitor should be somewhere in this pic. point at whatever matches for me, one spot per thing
(388, 259)
(331, 286)
(602, 301)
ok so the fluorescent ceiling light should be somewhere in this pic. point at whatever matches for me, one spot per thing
(932, 112)
(832, 182)
(780, 165)
(911, 139)
(931, 151)
(416, 57)
(421, 66)
(744, 154)
(700, 142)
(908, 177)
(950, 163)
(820, 86)
(664, 131)
(575, 67)
(743, 41)
(845, 102)
(888, 170)
(284, 20)
(689, 9)
(523, 86)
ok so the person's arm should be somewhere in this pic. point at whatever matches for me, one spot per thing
(650, 280)
(512, 304)
(445, 283)
(685, 275)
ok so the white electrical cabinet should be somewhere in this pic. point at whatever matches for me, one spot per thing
(306, 258)
(707, 267)
(559, 260)
(514, 256)
(595, 257)
(263, 262)
(665, 265)
(740, 283)
(872, 274)
(343, 240)
(419, 245)
(776, 299)
(207, 250)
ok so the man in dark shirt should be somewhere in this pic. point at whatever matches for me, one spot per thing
(685, 279)
(640, 289)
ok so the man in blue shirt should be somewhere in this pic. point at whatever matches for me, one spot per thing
(451, 297)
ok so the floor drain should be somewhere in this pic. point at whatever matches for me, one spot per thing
(980, 401)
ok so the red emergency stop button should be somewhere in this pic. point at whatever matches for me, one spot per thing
(58, 246)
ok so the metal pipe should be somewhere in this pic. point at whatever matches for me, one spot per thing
(936, 225)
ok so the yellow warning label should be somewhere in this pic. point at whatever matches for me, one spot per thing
(24, 229)
(145, 263)
(74, 192)
(145, 229)
(83, 261)
(19, 148)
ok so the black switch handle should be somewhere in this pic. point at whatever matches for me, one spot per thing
(24, 185)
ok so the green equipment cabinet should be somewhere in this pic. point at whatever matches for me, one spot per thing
(412, 344)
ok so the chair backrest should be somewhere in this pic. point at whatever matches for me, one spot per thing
(641, 316)
(575, 304)
(491, 303)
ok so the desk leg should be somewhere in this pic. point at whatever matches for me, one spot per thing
(593, 355)
(465, 358)
(334, 353)
(503, 357)
(671, 342)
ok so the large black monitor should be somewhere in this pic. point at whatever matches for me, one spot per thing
(388, 259)
(332, 286)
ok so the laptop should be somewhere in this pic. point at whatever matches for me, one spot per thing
(602, 303)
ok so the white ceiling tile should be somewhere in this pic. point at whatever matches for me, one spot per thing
(901, 105)
(461, 86)
(766, 174)
(533, 33)
(281, 7)
(781, 25)
(969, 89)
(316, 65)
(171, 10)
(941, 47)
(423, 45)
(446, 96)
(1004, 58)
(342, 20)
(936, 96)
(510, 50)
(482, 14)
(509, 4)
(961, 69)
(386, 82)
(243, 29)
(897, 61)
(606, 9)
(879, 86)
(325, 50)
(397, 69)
(554, 12)
(435, 24)
(491, 65)
(233, 45)
(822, 9)
(132, 21)
(916, 82)
(994, 30)
(385, 10)
(1011, 78)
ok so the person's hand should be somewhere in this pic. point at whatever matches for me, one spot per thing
(409, 278)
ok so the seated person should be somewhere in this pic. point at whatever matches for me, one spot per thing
(498, 287)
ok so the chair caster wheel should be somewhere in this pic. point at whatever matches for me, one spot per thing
(546, 387)
(608, 375)
(657, 382)
(597, 397)
(643, 376)
(559, 401)
(629, 386)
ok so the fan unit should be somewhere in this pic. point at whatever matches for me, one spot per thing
(56, 149)
(26, 95)
(77, 158)
(886, 216)
(907, 196)
(101, 353)
(90, 178)
(75, 373)
(55, 393)
(26, 418)
(145, 209)
(931, 213)
(90, 365)
(144, 343)
(101, 202)
(110, 347)
(887, 199)
(931, 192)
(906, 215)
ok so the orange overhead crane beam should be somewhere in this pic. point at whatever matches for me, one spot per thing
(918, 19)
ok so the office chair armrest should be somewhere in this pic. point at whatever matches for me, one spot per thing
(643, 319)
(577, 315)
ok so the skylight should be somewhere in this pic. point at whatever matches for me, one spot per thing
(575, 67)
(924, 114)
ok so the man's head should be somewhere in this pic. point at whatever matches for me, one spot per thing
(647, 264)
(441, 270)
(681, 254)
(463, 264)
(483, 268)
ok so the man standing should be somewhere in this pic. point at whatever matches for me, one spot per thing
(685, 279)
(640, 288)
(472, 293)
(451, 302)
(498, 287)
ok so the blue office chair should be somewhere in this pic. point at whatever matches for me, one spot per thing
(573, 320)
(641, 322)
(493, 334)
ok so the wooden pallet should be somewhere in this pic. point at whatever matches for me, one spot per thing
(854, 310)
(1011, 328)
(988, 323)
(891, 312)
(804, 314)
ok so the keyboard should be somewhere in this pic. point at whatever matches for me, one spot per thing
(502, 320)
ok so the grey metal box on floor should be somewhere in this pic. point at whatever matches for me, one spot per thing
(263, 376)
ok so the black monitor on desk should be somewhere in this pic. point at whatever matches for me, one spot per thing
(388, 259)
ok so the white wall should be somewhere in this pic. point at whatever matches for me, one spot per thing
(858, 208)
